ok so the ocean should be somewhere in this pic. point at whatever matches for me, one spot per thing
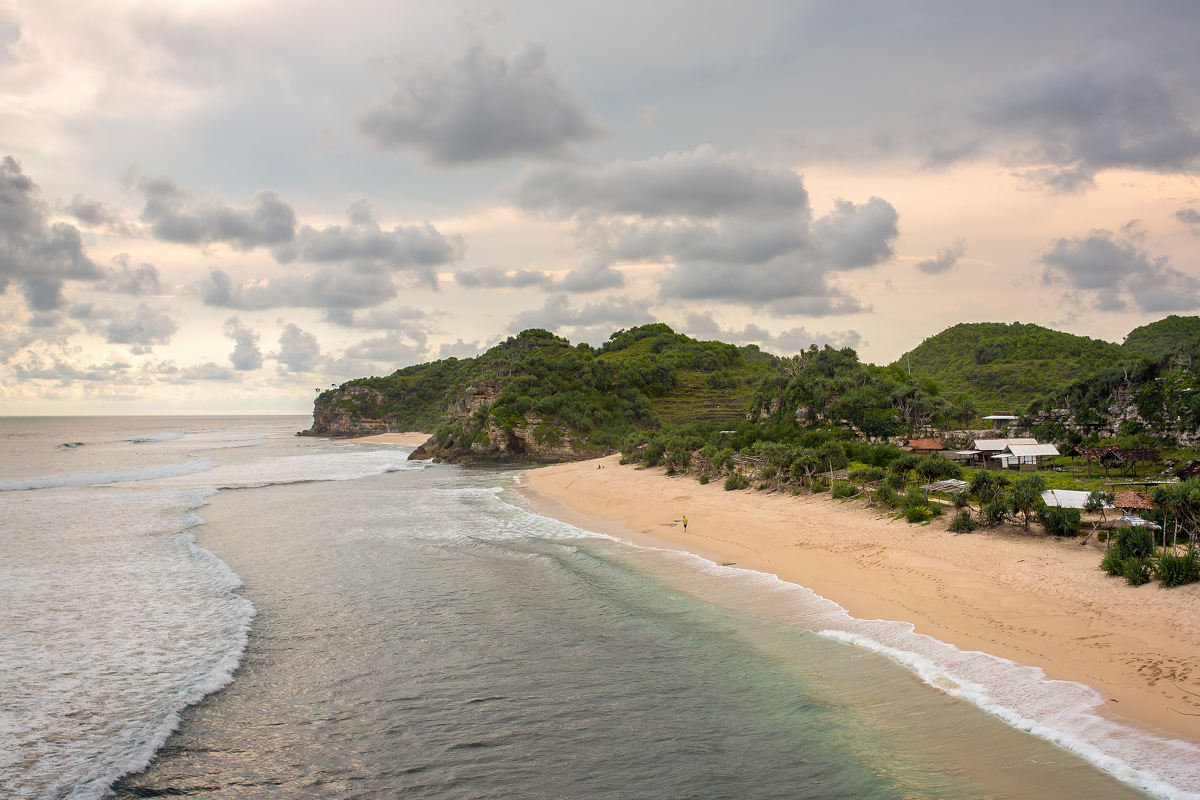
(212, 607)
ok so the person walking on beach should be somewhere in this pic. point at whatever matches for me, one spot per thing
(685, 524)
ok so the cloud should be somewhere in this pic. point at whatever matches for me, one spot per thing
(1091, 115)
(481, 107)
(416, 248)
(724, 226)
(176, 216)
(700, 183)
(208, 371)
(460, 349)
(485, 278)
(945, 259)
(1112, 268)
(324, 289)
(245, 356)
(1189, 217)
(37, 255)
(298, 350)
(394, 319)
(125, 278)
(557, 313)
(393, 350)
(145, 326)
(792, 340)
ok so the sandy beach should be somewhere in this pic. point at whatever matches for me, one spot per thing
(407, 437)
(1022, 596)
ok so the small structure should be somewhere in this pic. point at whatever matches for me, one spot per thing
(984, 449)
(948, 486)
(1001, 420)
(924, 447)
(1188, 470)
(1132, 502)
(1025, 456)
(1067, 498)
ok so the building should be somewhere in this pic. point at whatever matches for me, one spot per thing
(1001, 420)
(924, 447)
(1025, 456)
(1133, 502)
(981, 451)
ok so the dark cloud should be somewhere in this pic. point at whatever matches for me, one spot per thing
(701, 183)
(175, 216)
(95, 214)
(392, 319)
(481, 107)
(945, 259)
(126, 278)
(143, 326)
(727, 228)
(245, 356)
(945, 154)
(1189, 217)
(501, 278)
(37, 255)
(1060, 180)
(324, 289)
(1091, 115)
(298, 350)
(792, 340)
(557, 313)
(1114, 268)
(415, 248)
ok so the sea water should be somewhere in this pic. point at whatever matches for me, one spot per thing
(215, 608)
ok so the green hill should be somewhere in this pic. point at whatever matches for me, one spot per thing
(1168, 335)
(1005, 366)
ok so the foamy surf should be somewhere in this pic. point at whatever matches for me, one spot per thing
(1068, 714)
(103, 478)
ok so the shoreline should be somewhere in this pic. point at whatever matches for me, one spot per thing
(415, 438)
(1032, 599)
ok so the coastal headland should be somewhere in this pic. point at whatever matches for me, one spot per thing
(1033, 599)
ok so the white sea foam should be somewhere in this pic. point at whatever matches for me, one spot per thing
(339, 466)
(1066, 713)
(102, 478)
(146, 438)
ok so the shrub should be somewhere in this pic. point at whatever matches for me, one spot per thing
(868, 475)
(886, 495)
(1137, 542)
(1111, 563)
(937, 509)
(769, 472)
(994, 511)
(843, 491)
(1173, 570)
(895, 481)
(1136, 570)
(704, 479)
(736, 481)
(819, 485)
(916, 513)
(1060, 521)
(962, 522)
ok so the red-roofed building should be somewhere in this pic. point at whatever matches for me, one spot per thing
(924, 446)
(1133, 501)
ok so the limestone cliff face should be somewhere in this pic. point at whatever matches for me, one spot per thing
(1122, 408)
(354, 411)
(528, 439)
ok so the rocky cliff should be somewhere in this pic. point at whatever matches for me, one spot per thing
(351, 411)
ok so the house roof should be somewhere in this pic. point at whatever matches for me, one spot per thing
(1027, 450)
(999, 444)
(1000, 416)
(1132, 500)
(925, 444)
(1066, 498)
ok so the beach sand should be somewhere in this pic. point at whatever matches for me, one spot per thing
(408, 437)
(1016, 594)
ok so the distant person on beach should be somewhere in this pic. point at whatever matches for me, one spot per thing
(685, 524)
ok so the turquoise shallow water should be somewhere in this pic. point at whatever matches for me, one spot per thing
(408, 629)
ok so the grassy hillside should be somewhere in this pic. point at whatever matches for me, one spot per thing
(1005, 366)
(1168, 335)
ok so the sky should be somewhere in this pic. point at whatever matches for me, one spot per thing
(224, 206)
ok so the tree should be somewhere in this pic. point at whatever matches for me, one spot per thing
(987, 488)
(1026, 496)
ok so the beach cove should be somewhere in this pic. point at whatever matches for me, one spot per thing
(1027, 598)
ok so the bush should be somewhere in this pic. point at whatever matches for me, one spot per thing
(1136, 570)
(1111, 563)
(962, 522)
(736, 481)
(917, 513)
(819, 485)
(1060, 521)
(704, 479)
(1137, 542)
(843, 491)
(995, 511)
(894, 481)
(886, 496)
(868, 475)
(1173, 570)
(937, 509)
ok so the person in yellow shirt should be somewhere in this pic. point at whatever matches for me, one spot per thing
(685, 524)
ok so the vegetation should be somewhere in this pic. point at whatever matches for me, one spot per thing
(1164, 337)
(998, 366)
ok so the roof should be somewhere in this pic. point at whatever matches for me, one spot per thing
(1132, 500)
(1000, 444)
(1066, 498)
(1027, 450)
(950, 486)
(1000, 416)
(925, 444)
